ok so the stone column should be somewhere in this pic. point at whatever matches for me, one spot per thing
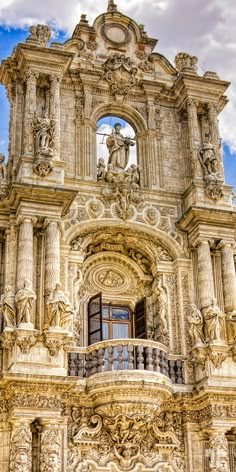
(52, 255)
(228, 275)
(25, 262)
(205, 273)
(21, 446)
(194, 137)
(55, 81)
(51, 446)
(30, 109)
(219, 452)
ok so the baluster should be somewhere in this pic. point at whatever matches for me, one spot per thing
(81, 366)
(140, 359)
(179, 372)
(149, 358)
(88, 364)
(163, 363)
(101, 360)
(130, 349)
(120, 357)
(73, 364)
(166, 368)
(110, 358)
(156, 360)
(94, 362)
(172, 371)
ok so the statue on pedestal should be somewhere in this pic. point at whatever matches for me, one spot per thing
(8, 308)
(195, 320)
(60, 311)
(24, 302)
(214, 323)
(118, 147)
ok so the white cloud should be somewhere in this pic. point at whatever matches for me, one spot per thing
(203, 28)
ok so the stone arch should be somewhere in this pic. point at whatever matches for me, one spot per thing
(124, 111)
(144, 231)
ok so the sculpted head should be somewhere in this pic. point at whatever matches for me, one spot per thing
(117, 127)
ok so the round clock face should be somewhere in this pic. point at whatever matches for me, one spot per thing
(116, 34)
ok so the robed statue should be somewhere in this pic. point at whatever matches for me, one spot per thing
(118, 146)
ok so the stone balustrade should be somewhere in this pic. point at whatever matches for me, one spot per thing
(124, 354)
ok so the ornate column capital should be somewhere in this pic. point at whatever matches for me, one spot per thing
(31, 76)
(26, 219)
(225, 243)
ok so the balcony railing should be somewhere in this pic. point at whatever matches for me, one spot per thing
(124, 354)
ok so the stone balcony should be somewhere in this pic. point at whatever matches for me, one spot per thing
(125, 355)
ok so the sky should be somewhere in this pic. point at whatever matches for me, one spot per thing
(204, 28)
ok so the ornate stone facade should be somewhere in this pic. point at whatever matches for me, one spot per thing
(118, 289)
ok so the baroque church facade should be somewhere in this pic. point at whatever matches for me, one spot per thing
(117, 279)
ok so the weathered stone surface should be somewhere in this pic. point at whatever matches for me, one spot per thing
(151, 242)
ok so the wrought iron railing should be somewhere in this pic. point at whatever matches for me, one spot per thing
(124, 354)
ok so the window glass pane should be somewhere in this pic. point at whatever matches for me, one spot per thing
(105, 312)
(120, 330)
(94, 308)
(105, 331)
(94, 324)
(95, 337)
(120, 314)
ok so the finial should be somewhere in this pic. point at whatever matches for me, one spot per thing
(111, 6)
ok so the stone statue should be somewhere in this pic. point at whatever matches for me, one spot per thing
(208, 159)
(60, 311)
(24, 302)
(214, 323)
(3, 169)
(44, 135)
(8, 307)
(231, 326)
(195, 320)
(118, 147)
(161, 327)
(101, 169)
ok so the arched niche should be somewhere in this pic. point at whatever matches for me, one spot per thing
(134, 118)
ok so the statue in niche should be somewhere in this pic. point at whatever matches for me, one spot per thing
(214, 323)
(161, 324)
(44, 135)
(24, 302)
(208, 159)
(195, 320)
(8, 308)
(119, 148)
(60, 310)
